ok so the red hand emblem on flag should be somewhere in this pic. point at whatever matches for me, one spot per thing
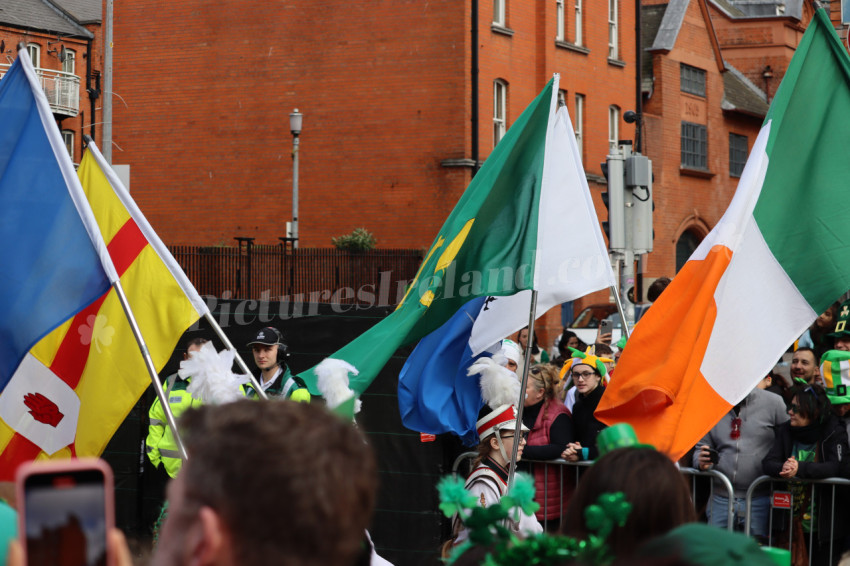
(43, 409)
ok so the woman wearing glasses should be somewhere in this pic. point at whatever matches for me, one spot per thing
(586, 371)
(811, 445)
(551, 431)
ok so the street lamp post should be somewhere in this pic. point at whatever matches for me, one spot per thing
(295, 127)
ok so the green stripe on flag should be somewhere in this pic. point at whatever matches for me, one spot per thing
(802, 210)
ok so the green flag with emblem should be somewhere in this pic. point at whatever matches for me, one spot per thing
(502, 238)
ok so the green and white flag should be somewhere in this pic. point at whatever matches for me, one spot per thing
(525, 222)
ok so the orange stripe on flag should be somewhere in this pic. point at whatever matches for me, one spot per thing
(657, 386)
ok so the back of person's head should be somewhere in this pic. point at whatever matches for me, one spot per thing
(291, 482)
(196, 341)
(603, 350)
(654, 511)
(656, 288)
(545, 377)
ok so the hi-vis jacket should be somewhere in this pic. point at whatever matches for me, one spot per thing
(160, 445)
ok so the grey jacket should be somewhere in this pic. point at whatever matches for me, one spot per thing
(741, 460)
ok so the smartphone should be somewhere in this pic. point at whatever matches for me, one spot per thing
(65, 509)
(606, 326)
(713, 456)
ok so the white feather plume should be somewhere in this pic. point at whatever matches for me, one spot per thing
(499, 385)
(333, 382)
(212, 381)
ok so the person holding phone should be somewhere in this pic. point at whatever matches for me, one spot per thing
(736, 446)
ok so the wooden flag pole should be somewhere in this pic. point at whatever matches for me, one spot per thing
(523, 383)
(239, 361)
(143, 347)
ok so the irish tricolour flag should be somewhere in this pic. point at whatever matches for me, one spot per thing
(777, 258)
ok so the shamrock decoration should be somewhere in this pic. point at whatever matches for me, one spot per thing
(488, 526)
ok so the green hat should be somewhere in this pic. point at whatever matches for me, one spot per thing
(620, 435)
(841, 327)
(835, 370)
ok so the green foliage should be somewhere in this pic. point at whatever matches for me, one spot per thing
(360, 240)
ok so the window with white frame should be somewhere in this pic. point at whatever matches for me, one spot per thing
(579, 35)
(68, 138)
(578, 124)
(499, 12)
(34, 51)
(613, 125)
(69, 65)
(613, 47)
(500, 96)
(560, 20)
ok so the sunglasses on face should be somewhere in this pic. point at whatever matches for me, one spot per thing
(794, 408)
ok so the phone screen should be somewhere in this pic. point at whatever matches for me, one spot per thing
(65, 514)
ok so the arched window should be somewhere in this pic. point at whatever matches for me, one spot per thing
(34, 51)
(685, 246)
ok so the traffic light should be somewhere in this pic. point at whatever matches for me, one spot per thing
(614, 201)
(638, 180)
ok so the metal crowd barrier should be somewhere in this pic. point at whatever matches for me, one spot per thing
(782, 499)
(562, 464)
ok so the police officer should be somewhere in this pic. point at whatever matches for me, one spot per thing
(160, 445)
(270, 354)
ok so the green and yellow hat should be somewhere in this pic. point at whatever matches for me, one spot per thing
(835, 370)
(586, 358)
(842, 327)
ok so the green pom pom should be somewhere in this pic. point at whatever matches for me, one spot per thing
(522, 494)
(453, 496)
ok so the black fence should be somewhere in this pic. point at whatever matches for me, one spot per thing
(316, 275)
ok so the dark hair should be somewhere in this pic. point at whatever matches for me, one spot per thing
(251, 461)
(656, 288)
(812, 401)
(601, 349)
(565, 338)
(807, 349)
(654, 511)
(196, 341)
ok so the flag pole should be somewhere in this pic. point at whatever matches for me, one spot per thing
(621, 311)
(239, 361)
(157, 386)
(523, 383)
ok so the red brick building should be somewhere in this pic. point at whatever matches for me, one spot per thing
(708, 67)
(64, 42)
(386, 93)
